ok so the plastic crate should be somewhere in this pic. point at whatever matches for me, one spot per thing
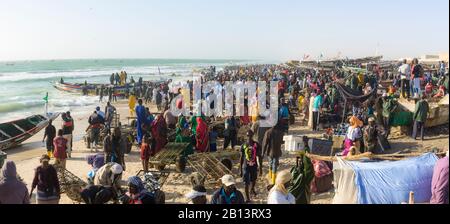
(293, 143)
(321, 147)
(2, 158)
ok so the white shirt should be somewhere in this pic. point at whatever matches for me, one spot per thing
(353, 133)
(276, 197)
(405, 71)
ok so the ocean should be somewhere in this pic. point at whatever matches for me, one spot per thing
(24, 84)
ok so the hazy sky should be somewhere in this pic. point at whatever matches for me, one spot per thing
(221, 29)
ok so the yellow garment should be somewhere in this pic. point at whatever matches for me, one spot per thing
(301, 99)
(355, 122)
(122, 78)
(132, 104)
(360, 79)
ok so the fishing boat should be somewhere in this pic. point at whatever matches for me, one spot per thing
(14, 133)
(90, 88)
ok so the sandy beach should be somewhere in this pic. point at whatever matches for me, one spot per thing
(178, 184)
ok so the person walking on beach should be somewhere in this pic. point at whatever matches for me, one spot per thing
(146, 152)
(132, 105)
(67, 127)
(60, 146)
(12, 190)
(420, 117)
(109, 115)
(47, 183)
(370, 136)
(50, 134)
(272, 148)
(249, 165)
(389, 106)
(141, 119)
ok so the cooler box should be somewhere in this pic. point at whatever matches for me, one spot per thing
(293, 143)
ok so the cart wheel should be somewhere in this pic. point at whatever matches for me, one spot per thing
(160, 197)
(181, 164)
(161, 167)
(227, 163)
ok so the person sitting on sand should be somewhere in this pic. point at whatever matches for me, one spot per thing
(197, 196)
(279, 193)
(137, 194)
(228, 194)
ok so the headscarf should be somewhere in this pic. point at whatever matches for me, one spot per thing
(283, 177)
(355, 122)
(9, 172)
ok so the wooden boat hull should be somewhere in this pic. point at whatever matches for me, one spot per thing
(12, 134)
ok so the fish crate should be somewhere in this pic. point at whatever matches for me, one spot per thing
(3, 157)
(70, 184)
(208, 166)
(169, 155)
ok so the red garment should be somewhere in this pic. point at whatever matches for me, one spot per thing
(202, 136)
(159, 129)
(428, 88)
(321, 169)
(146, 152)
(60, 144)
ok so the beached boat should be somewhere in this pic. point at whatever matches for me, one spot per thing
(90, 88)
(439, 110)
(14, 133)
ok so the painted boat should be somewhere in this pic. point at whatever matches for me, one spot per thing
(16, 132)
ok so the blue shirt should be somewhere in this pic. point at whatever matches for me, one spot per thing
(317, 102)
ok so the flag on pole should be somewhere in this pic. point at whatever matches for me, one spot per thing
(46, 103)
(46, 98)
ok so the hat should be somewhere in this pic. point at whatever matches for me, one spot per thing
(197, 191)
(44, 158)
(228, 180)
(116, 169)
(371, 119)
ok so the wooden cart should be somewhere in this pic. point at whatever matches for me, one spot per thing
(209, 167)
(169, 155)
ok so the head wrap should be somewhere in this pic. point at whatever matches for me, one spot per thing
(283, 177)
(9, 171)
(355, 122)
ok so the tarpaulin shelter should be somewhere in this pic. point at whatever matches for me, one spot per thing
(384, 182)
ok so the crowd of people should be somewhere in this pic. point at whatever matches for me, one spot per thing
(309, 93)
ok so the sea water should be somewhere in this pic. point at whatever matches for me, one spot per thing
(24, 84)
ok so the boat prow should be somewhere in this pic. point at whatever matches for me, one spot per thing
(13, 133)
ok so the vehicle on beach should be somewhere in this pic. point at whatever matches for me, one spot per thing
(14, 133)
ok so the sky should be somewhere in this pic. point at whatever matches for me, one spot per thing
(221, 29)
